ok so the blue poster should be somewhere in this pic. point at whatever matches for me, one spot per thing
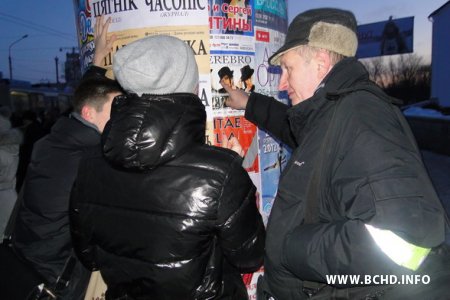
(271, 14)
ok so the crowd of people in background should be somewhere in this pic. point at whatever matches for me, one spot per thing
(10, 141)
(32, 125)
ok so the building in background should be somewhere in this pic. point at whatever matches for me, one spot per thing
(72, 67)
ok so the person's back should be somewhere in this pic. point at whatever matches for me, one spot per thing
(10, 140)
(41, 234)
(32, 132)
(165, 216)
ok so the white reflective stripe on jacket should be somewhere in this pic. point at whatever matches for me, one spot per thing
(397, 249)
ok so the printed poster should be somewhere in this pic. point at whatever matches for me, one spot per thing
(231, 25)
(135, 19)
(231, 39)
(271, 26)
(132, 20)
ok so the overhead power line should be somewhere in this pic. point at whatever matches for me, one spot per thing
(42, 28)
(34, 49)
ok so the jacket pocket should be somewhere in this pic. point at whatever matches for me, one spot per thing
(362, 205)
(399, 206)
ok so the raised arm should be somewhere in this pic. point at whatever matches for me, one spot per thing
(263, 111)
(103, 43)
(102, 47)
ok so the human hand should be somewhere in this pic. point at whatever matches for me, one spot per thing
(238, 98)
(257, 199)
(102, 44)
(232, 144)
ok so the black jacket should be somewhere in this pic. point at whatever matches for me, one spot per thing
(371, 173)
(42, 233)
(166, 216)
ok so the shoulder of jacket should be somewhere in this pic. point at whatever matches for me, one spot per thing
(210, 158)
(361, 101)
(12, 136)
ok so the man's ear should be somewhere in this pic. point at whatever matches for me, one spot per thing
(86, 113)
(323, 63)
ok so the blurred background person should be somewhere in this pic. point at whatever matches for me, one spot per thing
(10, 139)
(41, 234)
(32, 130)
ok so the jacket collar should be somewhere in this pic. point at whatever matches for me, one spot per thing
(149, 130)
(74, 132)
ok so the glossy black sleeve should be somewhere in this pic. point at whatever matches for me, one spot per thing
(240, 227)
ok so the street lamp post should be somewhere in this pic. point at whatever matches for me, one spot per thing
(10, 60)
(57, 73)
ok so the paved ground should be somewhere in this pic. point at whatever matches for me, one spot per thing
(439, 169)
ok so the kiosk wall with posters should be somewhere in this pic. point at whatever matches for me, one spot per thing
(232, 38)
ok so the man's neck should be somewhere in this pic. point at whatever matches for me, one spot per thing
(77, 116)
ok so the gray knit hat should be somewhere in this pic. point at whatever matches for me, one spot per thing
(157, 64)
(328, 28)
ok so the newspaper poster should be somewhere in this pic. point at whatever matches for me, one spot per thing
(132, 20)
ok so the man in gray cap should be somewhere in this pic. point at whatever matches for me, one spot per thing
(354, 199)
(161, 214)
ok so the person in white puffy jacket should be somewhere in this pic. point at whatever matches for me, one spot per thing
(10, 140)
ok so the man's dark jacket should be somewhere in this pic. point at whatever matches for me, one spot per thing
(371, 172)
(166, 216)
(42, 233)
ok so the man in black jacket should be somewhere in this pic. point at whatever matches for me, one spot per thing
(42, 234)
(161, 214)
(355, 198)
